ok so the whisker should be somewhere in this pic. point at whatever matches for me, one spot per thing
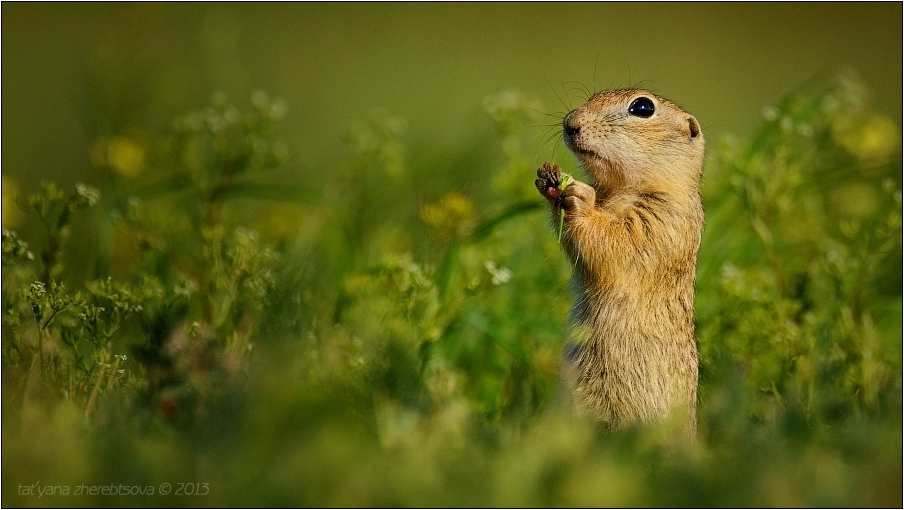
(555, 147)
(582, 88)
(548, 132)
(595, 63)
(585, 91)
(557, 94)
(553, 114)
(555, 121)
(552, 136)
(551, 130)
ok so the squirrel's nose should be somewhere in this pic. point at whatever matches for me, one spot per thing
(569, 126)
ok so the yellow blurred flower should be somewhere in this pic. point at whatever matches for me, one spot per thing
(12, 215)
(871, 138)
(451, 215)
(123, 155)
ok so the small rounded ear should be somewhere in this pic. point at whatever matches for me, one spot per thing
(693, 127)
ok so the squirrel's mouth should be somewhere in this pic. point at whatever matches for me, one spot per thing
(571, 141)
(576, 147)
(588, 159)
(575, 142)
(574, 137)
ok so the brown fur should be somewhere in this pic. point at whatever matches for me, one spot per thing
(633, 235)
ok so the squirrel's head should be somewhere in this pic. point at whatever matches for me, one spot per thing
(634, 138)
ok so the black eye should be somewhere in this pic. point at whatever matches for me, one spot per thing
(642, 107)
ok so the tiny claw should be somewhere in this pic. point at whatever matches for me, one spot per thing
(547, 181)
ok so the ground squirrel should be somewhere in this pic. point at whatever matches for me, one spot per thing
(633, 235)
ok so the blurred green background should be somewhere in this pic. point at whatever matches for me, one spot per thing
(72, 72)
(292, 255)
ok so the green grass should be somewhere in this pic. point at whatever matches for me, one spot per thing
(388, 332)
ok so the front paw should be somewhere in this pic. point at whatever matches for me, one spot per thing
(578, 199)
(548, 178)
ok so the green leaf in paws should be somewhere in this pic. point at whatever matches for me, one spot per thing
(564, 181)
